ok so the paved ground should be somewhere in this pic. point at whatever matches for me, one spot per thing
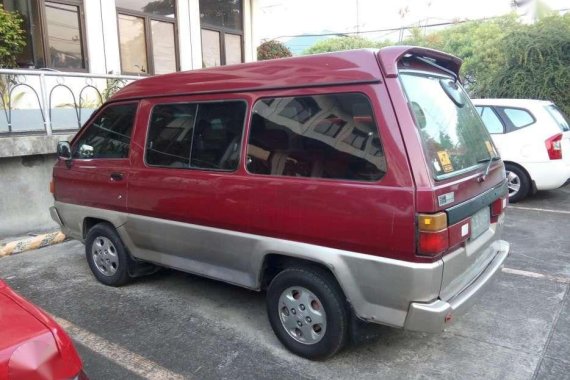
(178, 325)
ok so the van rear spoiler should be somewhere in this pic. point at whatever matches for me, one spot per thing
(389, 58)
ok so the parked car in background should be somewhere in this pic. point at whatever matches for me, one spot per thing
(32, 345)
(533, 139)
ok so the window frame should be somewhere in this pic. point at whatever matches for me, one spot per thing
(197, 102)
(492, 109)
(306, 94)
(509, 125)
(148, 17)
(94, 117)
(43, 25)
(223, 31)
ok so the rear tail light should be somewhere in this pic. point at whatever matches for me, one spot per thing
(554, 147)
(433, 243)
(497, 208)
(433, 238)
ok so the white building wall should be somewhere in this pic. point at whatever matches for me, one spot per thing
(185, 48)
(94, 34)
(249, 38)
(195, 34)
(102, 37)
(109, 37)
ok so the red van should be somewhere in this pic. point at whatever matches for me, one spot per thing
(353, 184)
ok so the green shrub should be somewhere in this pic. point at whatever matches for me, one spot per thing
(343, 43)
(271, 50)
(12, 38)
(537, 63)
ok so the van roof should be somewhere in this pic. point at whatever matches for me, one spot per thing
(345, 67)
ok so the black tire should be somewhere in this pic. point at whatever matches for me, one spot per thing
(324, 286)
(117, 270)
(523, 181)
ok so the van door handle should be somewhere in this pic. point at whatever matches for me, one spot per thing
(117, 176)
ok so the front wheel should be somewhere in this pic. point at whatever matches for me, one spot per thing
(107, 255)
(308, 312)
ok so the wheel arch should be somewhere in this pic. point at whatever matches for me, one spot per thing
(531, 183)
(273, 263)
(506, 162)
(90, 222)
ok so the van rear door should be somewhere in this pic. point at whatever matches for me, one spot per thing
(460, 179)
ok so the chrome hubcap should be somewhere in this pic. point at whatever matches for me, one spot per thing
(105, 256)
(302, 315)
(514, 183)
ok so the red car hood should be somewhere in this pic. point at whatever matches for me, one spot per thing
(17, 325)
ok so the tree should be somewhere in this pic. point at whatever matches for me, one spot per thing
(161, 7)
(536, 63)
(477, 44)
(343, 43)
(271, 50)
(12, 39)
(501, 57)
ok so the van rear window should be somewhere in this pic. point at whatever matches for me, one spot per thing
(452, 133)
(321, 136)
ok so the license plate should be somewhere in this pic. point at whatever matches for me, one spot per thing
(480, 222)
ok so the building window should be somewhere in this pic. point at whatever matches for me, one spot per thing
(222, 32)
(55, 35)
(147, 36)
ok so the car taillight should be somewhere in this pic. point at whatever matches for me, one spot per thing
(497, 208)
(554, 147)
(433, 238)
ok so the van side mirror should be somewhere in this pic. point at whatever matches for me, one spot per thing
(64, 150)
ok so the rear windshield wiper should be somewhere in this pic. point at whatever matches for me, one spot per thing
(489, 162)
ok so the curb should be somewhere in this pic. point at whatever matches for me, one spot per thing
(31, 243)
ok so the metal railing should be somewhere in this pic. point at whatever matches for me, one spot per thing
(44, 101)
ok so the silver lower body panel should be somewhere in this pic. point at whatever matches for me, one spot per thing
(379, 289)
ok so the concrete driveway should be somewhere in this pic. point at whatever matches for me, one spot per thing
(175, 325)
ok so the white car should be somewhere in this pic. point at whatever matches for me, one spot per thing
(533, 139)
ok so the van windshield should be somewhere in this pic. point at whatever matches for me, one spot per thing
(453, 136)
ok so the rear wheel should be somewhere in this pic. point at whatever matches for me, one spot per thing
(518, 182)
(107, 255)
(308, 312)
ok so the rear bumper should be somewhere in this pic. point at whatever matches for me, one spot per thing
(55, 216)
(549, 175)
(437, 315)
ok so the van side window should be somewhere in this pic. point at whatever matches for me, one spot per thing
(196, 135)
(109, 135)
(170, 135)
(321, 136)
(217, 136)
